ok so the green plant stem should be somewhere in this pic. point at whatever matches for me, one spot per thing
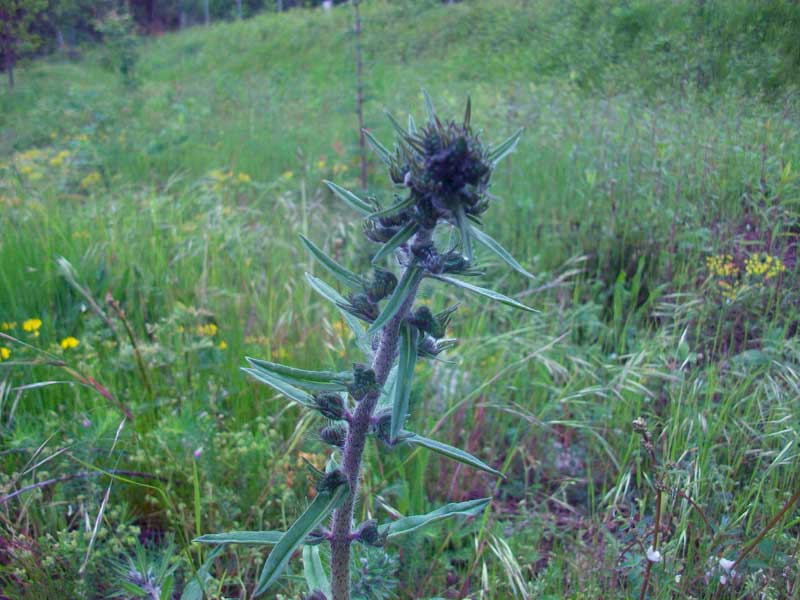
(354, 446)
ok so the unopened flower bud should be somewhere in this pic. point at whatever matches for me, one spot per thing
(330, 405)
(362, 307)
(382, 285)
(364, 382)
(369, 534)
(331, 481)
(335, 435)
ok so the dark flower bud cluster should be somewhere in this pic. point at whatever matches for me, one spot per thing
(334, 435)
(382, 285)
(362, 307)
(331, 481)
(364, 382)
(369, 534)
(330, 405)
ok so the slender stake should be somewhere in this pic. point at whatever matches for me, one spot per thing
(354, 446)
(362, 141)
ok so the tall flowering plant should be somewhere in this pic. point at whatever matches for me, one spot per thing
(441, 173)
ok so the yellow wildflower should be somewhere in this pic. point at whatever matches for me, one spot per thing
(244, 178)
(287, 175)
(30, 155)
(32, 325)
(59, 158)
(69, 342)
(321, 164)
(5, 353)
(8, 325)
(209, 329)
(91, 180)
(223, 345)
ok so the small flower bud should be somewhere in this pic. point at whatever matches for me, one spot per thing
(364, 382)
(335, 435)
(330, 405)
(369, 534)
(362, 307)
(331, 481)
(316, 537)
(382, 285)
(428, 257)
(382, 427)
(425, 321)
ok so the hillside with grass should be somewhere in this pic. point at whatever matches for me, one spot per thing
(646, 419)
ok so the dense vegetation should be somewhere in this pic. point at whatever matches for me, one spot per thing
(149, 224)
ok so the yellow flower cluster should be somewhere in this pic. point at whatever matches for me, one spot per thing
(91, 180)
(220, 178)
(32, 326)
(762, 264)
(722, 265)
(5, 353)
(8, 325)
(69, 342)
(59, 158)
(209, 329)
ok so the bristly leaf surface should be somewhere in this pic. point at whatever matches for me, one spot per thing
(484, 292)
(505, 148)
(258, 538)
(405, 374)
(288, 390)
(449, 451)
(345, 276)
(493, 245)
(353, 201)
(410, 524)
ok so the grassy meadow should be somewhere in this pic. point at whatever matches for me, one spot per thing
(149, 241)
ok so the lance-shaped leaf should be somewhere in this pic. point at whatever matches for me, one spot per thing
(405, 287)
(325, 502)
(350, 198)
(379, 148)
(495, 247)
(323, 381)
(256, 538)
(327, 292)
(405, 373)
(397, 207)
(464, 230)
(449, 451)
(412, 126)
(431, 112)
(407, 525)
(288, 390)
(401, 237)
(314, 571)
(505, 148)
(484, 292)
(397, 127)
(347, 277)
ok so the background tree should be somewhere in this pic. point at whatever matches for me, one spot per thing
(18, 34)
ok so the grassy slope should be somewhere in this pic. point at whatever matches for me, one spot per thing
(655, 137)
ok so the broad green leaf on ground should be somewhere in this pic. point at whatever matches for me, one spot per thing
(452, 452)
(484, 292)
(348, 278)
(405, 373)
(407, 525)
(325, 502)
(407, 284)
(493, 245)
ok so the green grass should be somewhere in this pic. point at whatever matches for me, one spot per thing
(656, 136)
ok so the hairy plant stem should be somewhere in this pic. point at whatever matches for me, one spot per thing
(356, 439)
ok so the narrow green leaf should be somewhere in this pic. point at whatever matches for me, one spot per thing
(468, 112)
(302, 376)
(257, 538)
(394, 208)
(327, 292)
(397, 127)
(348, 278)
(325, 502)
(505, 148)
(407, 525)
(379, 148)
(408, 282)
(449, 451)
(350, 198)
(314, 571)
(401, 237)
(429, 107)
(281, 386)
(463, 229)
(405, 373)
(412, 126)
(495, 247)
(484, 292)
